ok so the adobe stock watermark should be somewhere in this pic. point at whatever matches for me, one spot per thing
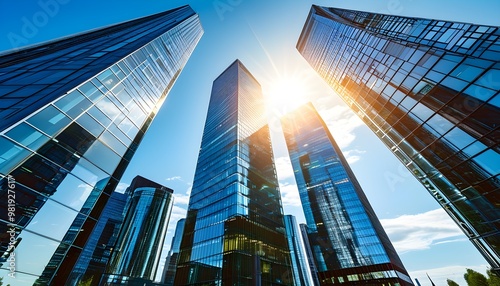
(392, 179)
(394, 7)
(31, 25)
(11, 213)
(224, 6)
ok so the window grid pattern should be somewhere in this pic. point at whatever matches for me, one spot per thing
(343, 230)
(138, 249)
(234, 231)
(429, 89)
(69, 154)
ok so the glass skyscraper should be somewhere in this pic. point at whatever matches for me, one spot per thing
(97, 251)
(173, 255)
(136, 254)
(93, 258)
(72, 113)
(309, 254)
(234, 232)
(429, 89)
(300, 266)
(95, 255)
(348, 242)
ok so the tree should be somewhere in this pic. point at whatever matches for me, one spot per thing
(474, 278)
(86, 282)
(493, 279)
(451, 282)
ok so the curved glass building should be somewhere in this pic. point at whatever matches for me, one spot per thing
(140, 242)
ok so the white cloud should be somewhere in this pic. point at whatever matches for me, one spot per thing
(181, 199)
(352, 156)
(121, 187)
(177, 214)
(284, 168)
(439, 275)
(290, 194)
(84, 190)
(420, 231)
(175, 178)
(341, 121)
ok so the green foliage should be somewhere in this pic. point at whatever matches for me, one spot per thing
(451, 282)
(474, 278)
(87, 282)
(493, 280)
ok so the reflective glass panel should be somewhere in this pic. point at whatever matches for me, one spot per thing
(49, 120)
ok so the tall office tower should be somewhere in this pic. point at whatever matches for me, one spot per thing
(137, 252)
(72, 113)
(309, 254)
(173, 255)
(234, 231)
(92, 261)
(429, 89)
(348, 242)
(300, 265)
(96, 253)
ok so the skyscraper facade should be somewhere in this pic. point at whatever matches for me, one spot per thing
(309, 253)
(429, 89)
(96, 253)
(173, 255)
(348, 242)
(300, 266)
(92, 261)
(140, 242)
(234, 232)
(73, 112)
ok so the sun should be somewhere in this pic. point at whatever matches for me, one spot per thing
(285, 94)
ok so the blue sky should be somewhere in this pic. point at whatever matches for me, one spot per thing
(263, 34)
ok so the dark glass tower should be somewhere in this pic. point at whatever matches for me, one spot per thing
(348, 242)
(72, 113)
(173, 255)
(300, 266)
(136, 254)
(234, 232)
(429, 89)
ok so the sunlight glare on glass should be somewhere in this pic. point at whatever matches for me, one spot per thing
(286, 94)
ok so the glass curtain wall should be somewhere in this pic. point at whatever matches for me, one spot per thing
(71, 134)
(429, 90)
(234, 231)
(347, 240)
